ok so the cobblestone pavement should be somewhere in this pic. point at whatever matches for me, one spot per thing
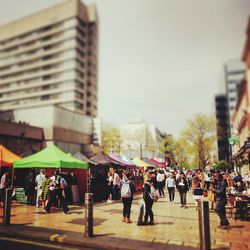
(176, 227)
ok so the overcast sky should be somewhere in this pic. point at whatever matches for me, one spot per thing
(160, 60)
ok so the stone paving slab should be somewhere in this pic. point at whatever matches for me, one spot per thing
(176, 228)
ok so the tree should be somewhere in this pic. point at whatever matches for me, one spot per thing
(180, 153)
(222, 166)
(199, 135)
(111, 139)
(175, 151)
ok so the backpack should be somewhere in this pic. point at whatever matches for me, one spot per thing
(126, 190)
(63, 183)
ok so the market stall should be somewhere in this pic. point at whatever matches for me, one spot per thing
(52, 158)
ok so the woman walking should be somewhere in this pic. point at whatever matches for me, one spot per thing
(45, 190)
(127, 192)
(182, 186)
(171, 184)
(149, 201)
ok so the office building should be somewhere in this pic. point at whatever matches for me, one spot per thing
(222, 127)
(50, 58)
(234, 74)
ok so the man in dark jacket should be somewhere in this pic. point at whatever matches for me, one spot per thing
(221, 200)
(182, 187)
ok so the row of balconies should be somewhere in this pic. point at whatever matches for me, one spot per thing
(38, 34)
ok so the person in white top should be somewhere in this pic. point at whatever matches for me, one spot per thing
(39, 182)
(171, 184)
(247, 180)
(160, 181)
(3, 184)
(116, 185)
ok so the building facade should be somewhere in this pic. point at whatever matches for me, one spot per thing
(50, 57)
(21, 138)
(140, 139)
(222, 127)
(234, 74)
(241, 117)
(71, 131)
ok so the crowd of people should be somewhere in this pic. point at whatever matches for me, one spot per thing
(45, 191)
(214, 185)
(52, 191)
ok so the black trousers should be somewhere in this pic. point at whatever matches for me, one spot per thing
(149, 212)
(116, 192)
(30, 193)
(160, 188)
(221, 211)
(183, 197)
(127, 203)
(57, 194)
(171, 193)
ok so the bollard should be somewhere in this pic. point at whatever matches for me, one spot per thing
(89, 215)
(7, 207)
(200, 224)
(207, 241)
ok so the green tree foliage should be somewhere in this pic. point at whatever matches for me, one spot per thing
(222, 166)
(176, 150)
(111, 139)
(199, 136)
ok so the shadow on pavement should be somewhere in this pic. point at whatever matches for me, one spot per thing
(97, 221)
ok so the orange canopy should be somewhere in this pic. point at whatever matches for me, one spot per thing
(7, 157)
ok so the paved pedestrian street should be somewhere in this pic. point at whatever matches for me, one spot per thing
(176, 227)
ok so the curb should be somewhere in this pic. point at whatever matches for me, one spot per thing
(78, 240)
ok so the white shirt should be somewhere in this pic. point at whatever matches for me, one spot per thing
(3, 183)
(160, 177)
(117, 179)
(39, 180)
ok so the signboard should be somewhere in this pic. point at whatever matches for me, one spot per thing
(232, 140)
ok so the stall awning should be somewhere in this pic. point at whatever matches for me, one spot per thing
(139, 163)
(7, 157)
(80, 156)
(50, 157)
(121, 161)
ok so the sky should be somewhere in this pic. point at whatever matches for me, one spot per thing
(159, 60)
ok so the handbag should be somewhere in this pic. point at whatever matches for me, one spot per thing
(205, 193)
(210, 196)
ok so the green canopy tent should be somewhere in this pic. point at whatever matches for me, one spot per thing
(51, 157)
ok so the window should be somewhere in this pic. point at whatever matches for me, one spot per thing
(45, 97)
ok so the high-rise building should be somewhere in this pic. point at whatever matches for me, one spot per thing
(50, 57)
(222, 127)
(234, 74)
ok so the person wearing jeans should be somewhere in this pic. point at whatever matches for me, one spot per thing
(182, 186)
(221, 200)
(170, 183)
(127, 196)
(149, 201)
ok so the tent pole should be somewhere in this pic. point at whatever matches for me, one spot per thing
(12, 177)
(88, 180)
